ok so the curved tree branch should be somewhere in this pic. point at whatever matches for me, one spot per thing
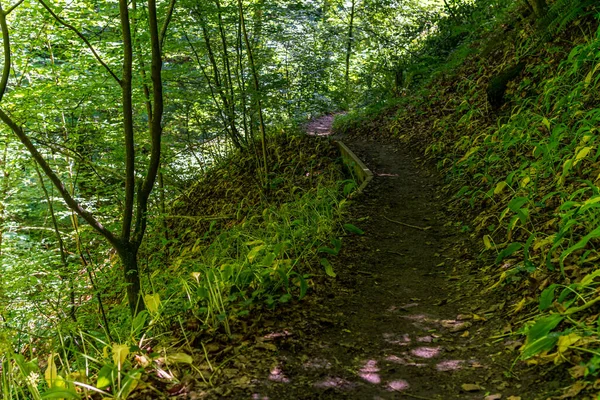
(13, 7)
(6, 45)
(165, 26)
(82, 37)
(71, 202)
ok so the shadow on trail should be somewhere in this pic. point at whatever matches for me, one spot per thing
(391, 328)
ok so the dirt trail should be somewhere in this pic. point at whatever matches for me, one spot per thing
(391, 327)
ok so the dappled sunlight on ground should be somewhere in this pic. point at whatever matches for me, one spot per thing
(403, 361)
(320, 126)
(398, 385)
(334, 382)
(399, 339)
(369, 372)
(277, 335)
(426, 352)
(277, 375)
(449, 365)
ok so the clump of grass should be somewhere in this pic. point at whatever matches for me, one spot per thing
(265, 254)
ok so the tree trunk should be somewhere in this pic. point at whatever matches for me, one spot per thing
(253, 68)
(539, 7)
(128, 255)
(349, 46)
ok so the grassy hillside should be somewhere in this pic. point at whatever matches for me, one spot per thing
(511, 117)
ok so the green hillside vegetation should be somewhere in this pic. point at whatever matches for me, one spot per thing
(160, 199)
(522, 163)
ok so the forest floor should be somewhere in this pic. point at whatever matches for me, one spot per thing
(405, 317)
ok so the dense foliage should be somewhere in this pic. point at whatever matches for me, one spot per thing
(155, 189)
(112, 111)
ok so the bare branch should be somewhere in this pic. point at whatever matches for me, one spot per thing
(71, 202)
(163, 29)
(87, 42)
(13, 7)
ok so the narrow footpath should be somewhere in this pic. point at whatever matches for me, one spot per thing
(404, 318)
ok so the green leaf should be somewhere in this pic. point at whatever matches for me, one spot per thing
(337, 244)
(268, 260)
(508, 251)
(139, 322)
(354, 229)
(303, 287)
(327, 250)
(543, 326)
(547, 297)
(579, 245)
(328, 268)
(105, 376)
(542, 344)
(60, 393)
(285, 298)
(515, 204)
(254, 252)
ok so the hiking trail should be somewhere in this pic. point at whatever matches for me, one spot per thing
(403, 318)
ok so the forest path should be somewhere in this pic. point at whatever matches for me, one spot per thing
(399, 321)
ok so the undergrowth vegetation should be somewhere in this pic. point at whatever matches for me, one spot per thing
(231, 249)
(524, 169)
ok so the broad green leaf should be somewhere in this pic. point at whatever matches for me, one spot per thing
(579, 245)
(254, 252)
(581, 154)
(129, 384)
(487, 241)
(547, 297)
(543, 326)
(546, 123)
(500, 187)
(120, 353)
(268, 260)
(354, 229)
(60, 393)
(542, 344)
(337, 244)
(327, 250)
(51, 374)
(564, 342)
(105, 376)
(515, 204)
(152, 302)
(182, 358)
(589, 278)
(328, 268)
(139, 321)
(508, 251)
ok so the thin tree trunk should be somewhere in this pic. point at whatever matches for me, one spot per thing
(64, 275)
(258, 94)
(349, 46)
(540, 7)
(4, 192)
(220, 84)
